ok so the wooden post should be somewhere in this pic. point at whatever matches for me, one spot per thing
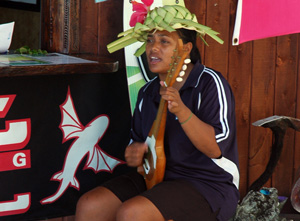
(60, 26)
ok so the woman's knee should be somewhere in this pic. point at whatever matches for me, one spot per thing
(126, 212)
(95, 200)
(138, 208)
(86, 202)
(97, 204)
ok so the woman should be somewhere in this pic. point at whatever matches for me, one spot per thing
(201, 177)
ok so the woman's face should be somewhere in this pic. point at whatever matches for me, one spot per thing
(159, 49)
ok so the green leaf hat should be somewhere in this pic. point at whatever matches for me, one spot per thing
(167, 17)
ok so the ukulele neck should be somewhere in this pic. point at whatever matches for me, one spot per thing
(160, 120)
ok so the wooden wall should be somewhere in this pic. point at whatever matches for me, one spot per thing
(264, 74)
(265, 78)
(27, 27)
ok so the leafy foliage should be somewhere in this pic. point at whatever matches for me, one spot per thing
(29, 51)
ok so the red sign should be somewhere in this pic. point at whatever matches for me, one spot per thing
(15, 160)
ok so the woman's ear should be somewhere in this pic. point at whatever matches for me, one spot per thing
(188, 46)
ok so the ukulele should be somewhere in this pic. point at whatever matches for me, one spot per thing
(153, 168)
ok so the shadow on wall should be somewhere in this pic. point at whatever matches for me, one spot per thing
(27, 27)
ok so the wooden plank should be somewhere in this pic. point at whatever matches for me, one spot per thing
(239, 77)
(240, 82)
(262, 102)
(103, 65)
(45, 24)
(60, 26)
(297, 137)
(199, 9)
(285, 104)
(89, 27)
(216, 55)
(56, 26)
(110, 25)
(74, 27)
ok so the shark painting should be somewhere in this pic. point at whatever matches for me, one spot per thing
(85, 143)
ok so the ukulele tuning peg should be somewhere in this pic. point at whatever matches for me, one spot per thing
(181, 73)
(183, 69)
(179, 79)
(187, 61)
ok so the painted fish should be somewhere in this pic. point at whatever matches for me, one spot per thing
(85, 144)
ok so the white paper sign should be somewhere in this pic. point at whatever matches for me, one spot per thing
(6, 33)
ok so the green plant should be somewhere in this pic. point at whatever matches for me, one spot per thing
(27, 50)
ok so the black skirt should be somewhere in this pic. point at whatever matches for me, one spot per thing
(177, 200)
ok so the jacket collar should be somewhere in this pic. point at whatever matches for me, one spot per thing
(153, 86)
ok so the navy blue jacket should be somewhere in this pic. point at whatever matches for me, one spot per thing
(208, 95)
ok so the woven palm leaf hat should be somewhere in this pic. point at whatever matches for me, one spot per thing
(167, 17)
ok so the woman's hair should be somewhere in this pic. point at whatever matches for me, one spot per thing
(190, 36)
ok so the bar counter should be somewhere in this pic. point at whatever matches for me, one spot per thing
(63, 131)
(103, 65)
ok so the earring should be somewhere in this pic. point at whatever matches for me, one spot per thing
(183, 69)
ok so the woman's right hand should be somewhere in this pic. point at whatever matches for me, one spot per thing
(134, 153)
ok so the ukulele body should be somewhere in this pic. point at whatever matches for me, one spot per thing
(154, 165)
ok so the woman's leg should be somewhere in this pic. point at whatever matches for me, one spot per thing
(97, 204)
(139, 208)
(179, 200)
(102, 203)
